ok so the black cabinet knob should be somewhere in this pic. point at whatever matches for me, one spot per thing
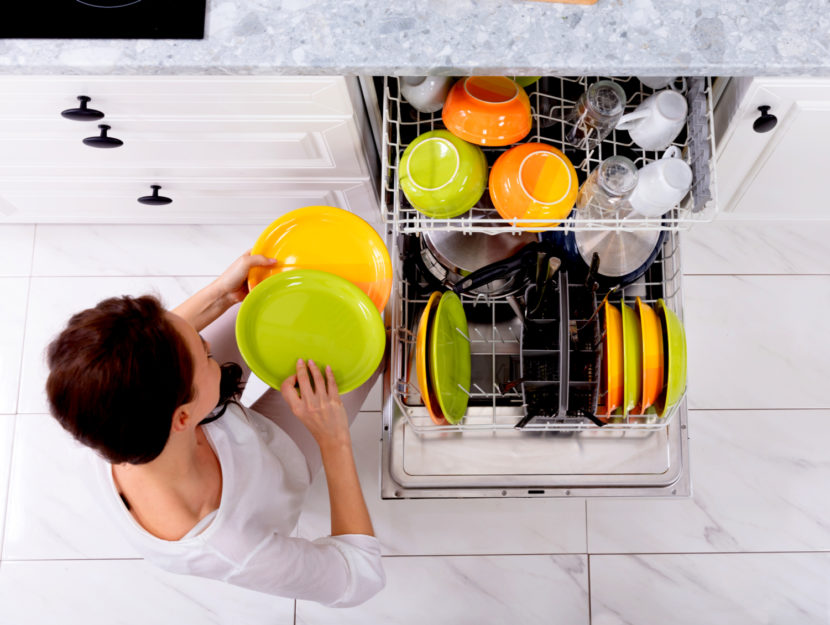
(155, 199)
(103, 141)
(766, 121)
(82, 114)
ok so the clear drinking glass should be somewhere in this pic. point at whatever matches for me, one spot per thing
(605, 193)
(594, 115)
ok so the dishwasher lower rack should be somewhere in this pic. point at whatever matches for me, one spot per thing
(497, 400)
(551, 97)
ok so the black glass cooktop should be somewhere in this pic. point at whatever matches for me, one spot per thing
(103, 19)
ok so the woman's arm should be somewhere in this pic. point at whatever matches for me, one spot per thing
(203, 307)
(322, 412)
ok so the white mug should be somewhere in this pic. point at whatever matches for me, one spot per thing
(426, 93)
(657, 121)
(660, 82)
(661, 185)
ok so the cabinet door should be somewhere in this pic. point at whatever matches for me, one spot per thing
(276, 148)
(195, 201)
(781, 173)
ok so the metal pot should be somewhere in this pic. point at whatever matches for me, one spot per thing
(451, 256)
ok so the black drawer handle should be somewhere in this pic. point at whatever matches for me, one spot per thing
(155, 199)
(766, 121)
(82, 114)
(103, 141)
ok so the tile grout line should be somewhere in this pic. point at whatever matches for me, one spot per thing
(7, 498)
(590, 615)
(587, 545)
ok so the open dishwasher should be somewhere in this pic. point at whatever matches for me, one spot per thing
(486, 455)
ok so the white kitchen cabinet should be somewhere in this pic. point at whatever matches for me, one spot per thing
(778, 174)
(225, 149)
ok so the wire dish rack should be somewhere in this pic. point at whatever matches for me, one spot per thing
(496, 400)
(551, 98)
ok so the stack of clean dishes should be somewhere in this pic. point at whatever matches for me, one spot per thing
(643, 362)
(442, 358)
(322, 299)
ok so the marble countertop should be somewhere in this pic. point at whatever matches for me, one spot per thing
(612, 37)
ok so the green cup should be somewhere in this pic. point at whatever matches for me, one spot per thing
(441, 175)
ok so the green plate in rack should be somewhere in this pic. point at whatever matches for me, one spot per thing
(449, 352)
(632, 358)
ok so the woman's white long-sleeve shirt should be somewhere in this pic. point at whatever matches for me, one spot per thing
(247, 542)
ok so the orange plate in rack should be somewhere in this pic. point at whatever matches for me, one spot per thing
(612, 361)
(422, 365)
(652, 331)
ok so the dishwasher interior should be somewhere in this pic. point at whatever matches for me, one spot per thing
(486, 455)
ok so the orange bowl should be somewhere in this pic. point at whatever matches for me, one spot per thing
(652, 332)
(533, 181)
(488, 110)
(612, 361)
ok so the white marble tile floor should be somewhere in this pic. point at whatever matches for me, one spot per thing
(751, 545)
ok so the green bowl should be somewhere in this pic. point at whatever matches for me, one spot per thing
(674, 338)
(525, 81)
(441, 175)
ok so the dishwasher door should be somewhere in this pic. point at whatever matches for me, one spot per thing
(487, 456)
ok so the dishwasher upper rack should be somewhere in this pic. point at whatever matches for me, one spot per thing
(496, 407)
(551, 97)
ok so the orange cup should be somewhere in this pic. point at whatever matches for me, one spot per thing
(487, 110)
(533, 181)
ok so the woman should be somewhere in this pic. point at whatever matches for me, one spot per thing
(197, 483)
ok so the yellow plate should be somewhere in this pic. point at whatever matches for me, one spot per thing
(652, 331)
(422, 366)
(612, 361)
(327, 239)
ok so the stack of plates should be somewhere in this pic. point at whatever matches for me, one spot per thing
(442, 358)
(644, 360)
(320, 302)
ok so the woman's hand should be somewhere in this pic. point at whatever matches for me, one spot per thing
(206, 305)
(233, 283)
(319, 408)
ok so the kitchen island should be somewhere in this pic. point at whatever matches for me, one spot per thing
(612, 37)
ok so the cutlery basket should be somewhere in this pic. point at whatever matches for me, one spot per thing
(560, 355)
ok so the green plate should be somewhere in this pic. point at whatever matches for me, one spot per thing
(313, 315)
(632, 358)
(449, 353)
(674, 337)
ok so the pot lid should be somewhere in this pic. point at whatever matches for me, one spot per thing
(621, 252)
(464, 253)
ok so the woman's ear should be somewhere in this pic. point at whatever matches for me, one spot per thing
(181, 419)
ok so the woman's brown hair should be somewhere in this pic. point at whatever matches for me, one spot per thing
(117, 373)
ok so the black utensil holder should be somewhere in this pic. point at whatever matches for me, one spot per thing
(560, 355)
